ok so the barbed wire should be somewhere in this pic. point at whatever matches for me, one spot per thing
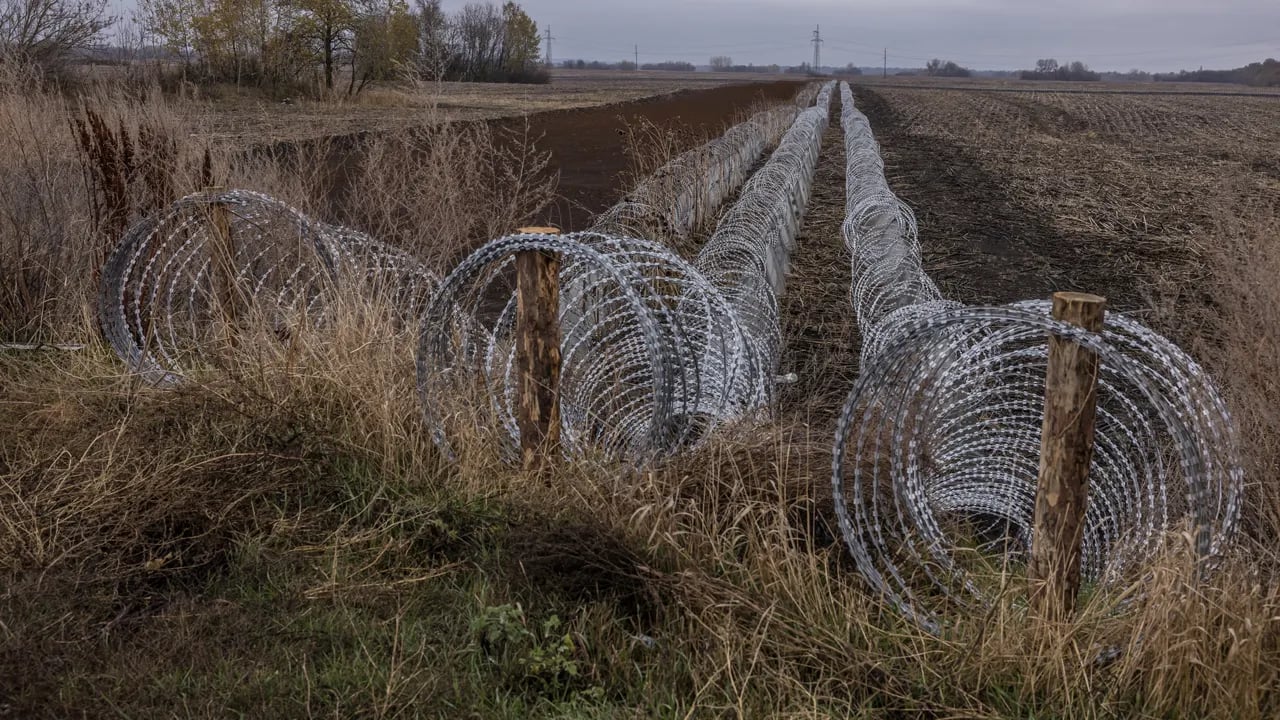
(173, 287)
(679, 197)
(178, 282)
(748, 255)
(937, 450)
(655, 351)
(882, 237)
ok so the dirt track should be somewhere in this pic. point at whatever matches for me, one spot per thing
(820, 338)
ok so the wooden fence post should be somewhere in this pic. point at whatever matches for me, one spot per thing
(222, 260)
(1066, 451)
(538, 353)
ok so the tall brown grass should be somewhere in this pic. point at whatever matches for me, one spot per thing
(76, 171)
(1238, 335)
(214, 547)
(122, 501)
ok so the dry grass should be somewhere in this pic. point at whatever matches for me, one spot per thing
(252, 118)
(279, 538)
(435, 190)
(1239, 338)
(75, 172)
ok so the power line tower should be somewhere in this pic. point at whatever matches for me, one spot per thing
(817, 47)
(549, 39)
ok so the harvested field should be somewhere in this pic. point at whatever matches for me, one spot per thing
(1021, 194)
(587, 147)
(917, 82)
(253, 119)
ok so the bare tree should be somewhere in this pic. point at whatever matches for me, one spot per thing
(478, 32)
(173, 23)
(433, 41)
(48, 33)
(131, 38)
(939, 68)
(721, 62)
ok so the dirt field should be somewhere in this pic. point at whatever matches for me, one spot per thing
(588, 150)
(1057, 86)
(587, 146)
(249, 117)
(1021, 194)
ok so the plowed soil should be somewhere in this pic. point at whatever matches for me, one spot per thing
(1020, 194)
(588, 148)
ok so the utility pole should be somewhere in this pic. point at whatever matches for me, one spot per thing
(817, 48)
(637, 58)
(549, 39)
(886, 63)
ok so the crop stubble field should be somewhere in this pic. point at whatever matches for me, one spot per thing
(1020, 194)
(315, 571)
(251, 119)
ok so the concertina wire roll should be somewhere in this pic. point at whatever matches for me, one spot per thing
(655, 351)
(937, 449)
(180, 284)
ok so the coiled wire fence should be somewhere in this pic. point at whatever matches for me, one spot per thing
(182, 284)
(655, 351)
(937, 449)
(680, 196)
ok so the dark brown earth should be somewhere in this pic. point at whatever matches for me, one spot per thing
(587, 146)
(1023, 194)
(588, 149)
(977, 241)
(820, 339)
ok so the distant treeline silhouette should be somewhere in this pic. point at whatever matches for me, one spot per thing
(1049, 69)
(939, 68)
(1265, 73)
(671, 65)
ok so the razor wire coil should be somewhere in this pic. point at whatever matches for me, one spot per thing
(937, 450)
(679, 197)
(655, 351)
(172, 284)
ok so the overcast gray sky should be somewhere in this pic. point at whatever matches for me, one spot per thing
(1157, 35)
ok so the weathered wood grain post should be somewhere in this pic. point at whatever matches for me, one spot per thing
(222, 260)
(1066, 451)
(538, 353)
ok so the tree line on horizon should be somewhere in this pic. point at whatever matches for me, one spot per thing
(1262, 74)
(345, 45)
(330, 45)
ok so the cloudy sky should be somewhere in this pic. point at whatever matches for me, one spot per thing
(1158, 35)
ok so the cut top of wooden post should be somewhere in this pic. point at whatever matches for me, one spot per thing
(1080, 309)
(538, 230)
